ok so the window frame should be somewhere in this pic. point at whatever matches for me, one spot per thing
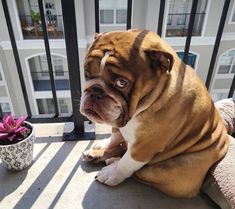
(229, 74)
(9, 106)
(114, 18)
(114, 7)
(166, 25)
(232, 13)
(218, 76)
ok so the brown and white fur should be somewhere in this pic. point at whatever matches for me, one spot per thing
(166, 130)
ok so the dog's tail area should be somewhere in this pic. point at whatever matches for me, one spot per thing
(226, 108)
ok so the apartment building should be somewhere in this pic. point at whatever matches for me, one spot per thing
(113, 15)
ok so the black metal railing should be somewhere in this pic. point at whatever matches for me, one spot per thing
(70, 35)
(32, 29)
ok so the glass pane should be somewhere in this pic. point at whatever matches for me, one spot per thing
(30, 21)
(40, 74)
(233, 69)
(226, 62)
(121, 16)
(106, 16)
(45, 106)
(223, 69)
(59, 70)
(179, 15)
(63, 107)
(219, 96)
(233, 18)
(5, 107)
(181, 20)
(169, 20)
(58, 65)
(43, 64)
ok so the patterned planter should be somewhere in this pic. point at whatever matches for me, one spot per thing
(16, 157)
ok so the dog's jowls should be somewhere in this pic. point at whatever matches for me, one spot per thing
(166, 128)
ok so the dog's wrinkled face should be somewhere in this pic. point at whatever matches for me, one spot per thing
(120, 69)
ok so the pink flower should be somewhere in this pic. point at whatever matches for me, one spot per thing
(11, 128)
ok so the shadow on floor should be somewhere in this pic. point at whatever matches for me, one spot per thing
(134, 195)
(11, 181)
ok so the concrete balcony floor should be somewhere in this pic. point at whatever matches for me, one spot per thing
(58, 178)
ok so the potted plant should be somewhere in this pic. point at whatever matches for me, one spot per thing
(36, 20)
(35, 17)
(16, 142)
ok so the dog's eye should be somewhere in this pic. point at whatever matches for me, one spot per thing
(121, 82)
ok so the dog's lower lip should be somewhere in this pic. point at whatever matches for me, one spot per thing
(93, 114)
(90, 111)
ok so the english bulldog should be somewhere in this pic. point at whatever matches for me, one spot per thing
(166, 130)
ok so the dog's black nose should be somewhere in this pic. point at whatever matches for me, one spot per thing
(97, 92)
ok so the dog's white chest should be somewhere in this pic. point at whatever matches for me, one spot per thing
(129, 131)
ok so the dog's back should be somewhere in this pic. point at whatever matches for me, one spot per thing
(192, 130)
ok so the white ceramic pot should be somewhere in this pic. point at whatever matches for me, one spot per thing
(16, 157)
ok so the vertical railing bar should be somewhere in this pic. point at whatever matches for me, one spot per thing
(160, 17)
(16, 56)
(217, 42)
(129, 13)
(232, 88)
(48, 54)
(70, 30)
(190, 30)
(97, 16)
(1, 112)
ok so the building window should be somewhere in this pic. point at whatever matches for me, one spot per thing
(63, 106)
(224, 76)
(43, 66)
(46, 106)
(191, 58)
(113, 11)
(179, 15)
(232, 15)
(106, 16)
(227, 63)
(121, 16)
(5, 106)
(219, 96)
(40, 73)
(31, 22)
(58, 66)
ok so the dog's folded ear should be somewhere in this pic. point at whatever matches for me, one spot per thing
(97, 35)
(160, 59)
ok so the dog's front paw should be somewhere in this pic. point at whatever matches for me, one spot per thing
(110, 175)
(93, 156)
(97, 152)
(101, 144)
